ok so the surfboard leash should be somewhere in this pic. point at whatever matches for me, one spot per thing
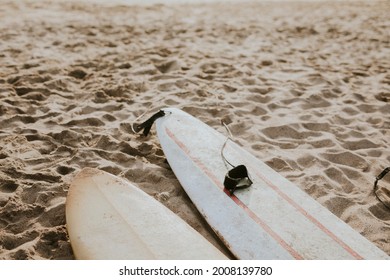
(147, 125)
(229, 137)
(237, 177)
(377, 179)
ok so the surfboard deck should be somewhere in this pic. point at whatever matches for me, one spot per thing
(272, 219)
(110, 218)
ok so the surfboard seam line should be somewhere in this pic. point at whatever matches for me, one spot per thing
(122, 217)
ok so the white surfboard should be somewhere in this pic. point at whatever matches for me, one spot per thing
(109, 218)
(272, 219)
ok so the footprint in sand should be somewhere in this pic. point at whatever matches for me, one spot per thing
(7, 191)
(347, 158)
(168, 66)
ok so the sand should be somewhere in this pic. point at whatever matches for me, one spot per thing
(303, 86)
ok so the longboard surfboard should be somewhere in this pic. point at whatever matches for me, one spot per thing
(271, 219)
(110, 218)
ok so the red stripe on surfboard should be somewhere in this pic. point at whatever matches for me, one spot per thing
(306, 214)
(310, 217)
(212, 176)
(281, 194)
(264, 225)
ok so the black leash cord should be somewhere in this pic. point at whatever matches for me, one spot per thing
(379, 177)
(147, 125)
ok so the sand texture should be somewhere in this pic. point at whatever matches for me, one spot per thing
(303, 86)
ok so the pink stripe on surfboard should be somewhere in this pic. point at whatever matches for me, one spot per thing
(307, 215)
(295, 254)
(311, 218)
(212, 176)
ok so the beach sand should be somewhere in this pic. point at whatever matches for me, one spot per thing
(305, 87)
